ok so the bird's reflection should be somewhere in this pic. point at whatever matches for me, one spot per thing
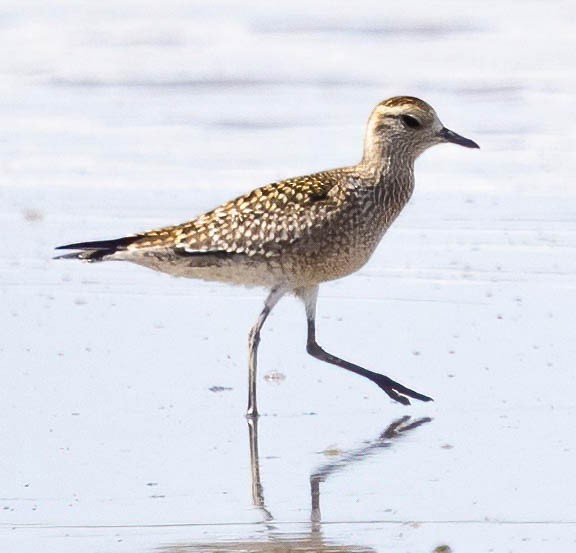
(393, 431)
(389, 436)
(257, 489)
(313, 540)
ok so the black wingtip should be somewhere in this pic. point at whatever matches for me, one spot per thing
(116, 244)
(95, 251)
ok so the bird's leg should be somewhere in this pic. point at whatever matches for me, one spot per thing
(253, 341)
(395, 390)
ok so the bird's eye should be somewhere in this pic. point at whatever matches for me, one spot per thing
(411, 122)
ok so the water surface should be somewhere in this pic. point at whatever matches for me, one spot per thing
(124, 390)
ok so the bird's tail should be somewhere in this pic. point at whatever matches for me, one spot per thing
(96, 251)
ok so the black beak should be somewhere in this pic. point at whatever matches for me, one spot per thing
(450, 136)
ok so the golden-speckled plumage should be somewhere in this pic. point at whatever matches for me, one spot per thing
(261, 222)
(294, 234)
(298, 231)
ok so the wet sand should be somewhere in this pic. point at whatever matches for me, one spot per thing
(124, 390)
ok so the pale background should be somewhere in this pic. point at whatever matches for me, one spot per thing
(122, 116)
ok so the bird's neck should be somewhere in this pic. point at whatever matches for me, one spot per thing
(386, 165)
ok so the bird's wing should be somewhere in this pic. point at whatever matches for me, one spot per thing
(260, 223)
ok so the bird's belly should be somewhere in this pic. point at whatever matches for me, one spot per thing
(238, 269)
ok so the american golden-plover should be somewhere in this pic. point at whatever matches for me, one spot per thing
(292, 235)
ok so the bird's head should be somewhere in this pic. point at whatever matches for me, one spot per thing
(409, 125)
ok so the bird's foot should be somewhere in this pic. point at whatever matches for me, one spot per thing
(397, 391)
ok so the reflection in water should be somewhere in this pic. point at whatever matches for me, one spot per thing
(312, 541)
(257, 489)
(303, 543)
(397, 429)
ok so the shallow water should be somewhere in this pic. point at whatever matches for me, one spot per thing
(124, 390)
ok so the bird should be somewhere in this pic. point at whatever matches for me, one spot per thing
(292, 235)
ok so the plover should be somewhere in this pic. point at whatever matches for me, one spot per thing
(292, 235)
